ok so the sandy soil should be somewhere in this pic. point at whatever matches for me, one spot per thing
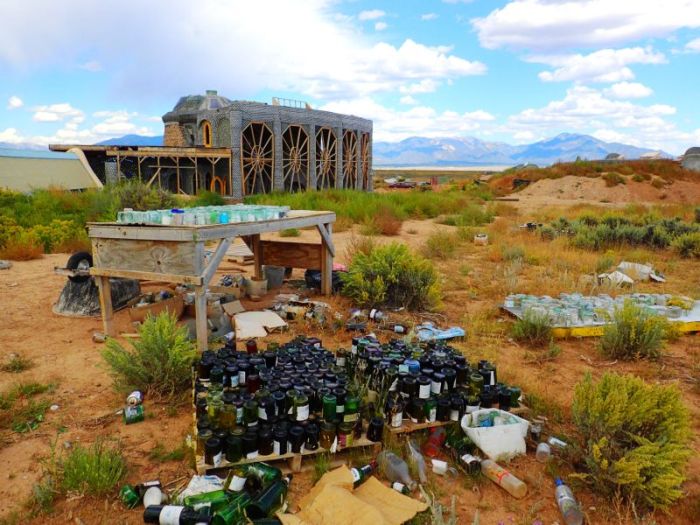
(64, 353)
(572, 190)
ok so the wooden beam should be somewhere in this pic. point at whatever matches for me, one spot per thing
(327, 237)
(105, 291)
(200, 308)
(147, 276)
(215, 260)
(327, 264)
(257, 253)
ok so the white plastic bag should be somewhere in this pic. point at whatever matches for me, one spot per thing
(497, 442)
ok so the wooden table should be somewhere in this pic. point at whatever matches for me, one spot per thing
(175, 254)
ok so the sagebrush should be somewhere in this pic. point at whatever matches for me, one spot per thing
(635, 438)
(533, 329)
(634, 332)
(159, 361)
(391, 275)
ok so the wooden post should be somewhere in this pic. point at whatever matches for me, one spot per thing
(105, 289)
(326, 260)
(257, 253)
(200, 307)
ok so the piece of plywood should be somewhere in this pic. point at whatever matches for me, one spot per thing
(145, 256)
(291, 254)
(249, 325)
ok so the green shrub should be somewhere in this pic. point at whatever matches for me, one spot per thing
(470, 215)
(697, 214)
(139, 196)
(207, 198)
(159, 361)
(391, 275)
(687, 245)
(93, 470)
(533, 329)
(440, 245)
(290, 232)
(613, 179)
(513, 253)
(635, 438)
(634, 333)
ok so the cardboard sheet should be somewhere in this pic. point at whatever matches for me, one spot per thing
(249, 325)
(332, 500)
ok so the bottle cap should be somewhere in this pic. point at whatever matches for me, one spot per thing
(558, 482)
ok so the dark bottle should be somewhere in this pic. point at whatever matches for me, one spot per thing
(360, 475)
(296, 436)
(265, 445)
(234, 449)
(280, 444)
(269, 500)
(375, 429)
(212, 451)
(312, 436)
(174, 515)
(251, 346)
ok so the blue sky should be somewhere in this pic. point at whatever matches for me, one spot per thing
(518, 71)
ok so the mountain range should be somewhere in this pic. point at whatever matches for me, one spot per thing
(448, 151)
(453, 151)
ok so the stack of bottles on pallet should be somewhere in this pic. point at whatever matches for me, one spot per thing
(301, 396)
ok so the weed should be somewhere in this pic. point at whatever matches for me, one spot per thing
(512, 253)
(93, 470)
(543, 406)
(636, 438)
(161, 454)
(19, 411)
(16, 364)
(290, 232)
(159, 361)
(322, 464)
(658, 183)
(43, 495)
(437, 511)
(687, 245)
(391, 275)
(604, 263)
(471, 215)
(387, 222)
(440, 245)
(633, 333)
(207, 198)
(613, 179)
(533, 329)
(21, 248)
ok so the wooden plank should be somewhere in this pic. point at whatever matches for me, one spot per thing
(105, 291)
(297, 219)
(203, 468)
(292, 254)
(147, 276)
(147, 256)
(200, 306)
(409, 426)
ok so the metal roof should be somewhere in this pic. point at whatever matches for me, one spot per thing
(25, 174)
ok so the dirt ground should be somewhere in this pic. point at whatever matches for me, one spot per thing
(474, 282)
(570, 190)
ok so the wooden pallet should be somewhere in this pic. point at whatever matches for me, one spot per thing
(294, 461)
(409, 426)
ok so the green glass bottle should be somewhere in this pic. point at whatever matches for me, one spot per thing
(215, 500)
(352, 408)
(234, 513)
(269, 500)
(360, 475)
(129, 496)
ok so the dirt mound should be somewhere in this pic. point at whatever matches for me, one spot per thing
(572, 190)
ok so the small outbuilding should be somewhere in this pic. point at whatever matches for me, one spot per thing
(691, 159)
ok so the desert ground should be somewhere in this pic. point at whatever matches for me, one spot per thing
(475, 279)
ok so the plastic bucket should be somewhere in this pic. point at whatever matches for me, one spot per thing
(274, 276)
(256, 287)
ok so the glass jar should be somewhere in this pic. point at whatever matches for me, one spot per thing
(212, 451)
(375, 429)
(250, 413)
(301, 407)
(328, 430)
(280, 443)
(227, 418)
(431, 410)
(476, 383)
(215, 407)
(424, 389)
(202, 436)
(345, 436)
(312, 436)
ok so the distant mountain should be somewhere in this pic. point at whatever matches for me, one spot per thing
(566, 147)
(133, 140)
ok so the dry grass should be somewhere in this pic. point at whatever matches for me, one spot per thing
(17, 250)
(387, 223)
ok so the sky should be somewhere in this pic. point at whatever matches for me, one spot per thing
(517, 71)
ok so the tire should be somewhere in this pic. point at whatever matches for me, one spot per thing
(79, 260)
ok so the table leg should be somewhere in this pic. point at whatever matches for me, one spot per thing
(105, 290)
(257, 253)
(327, 263)
(200, 308)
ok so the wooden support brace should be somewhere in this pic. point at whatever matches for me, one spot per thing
(326, 234)
(105, 290)
(257, 253)
(215, 260)
(200, 308)
(326, 259)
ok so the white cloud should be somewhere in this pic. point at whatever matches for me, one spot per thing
(14, 102)
(605, 65)
(428, 16)
(11, 136)
(56, 113)
(588, 110)
(393, 125)
(93, 66)
(628, 90)
(408, 100)
(524, 137)
(371, 14)
(380, 26)
(557, 24)
(693, 46)
(424, 86)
